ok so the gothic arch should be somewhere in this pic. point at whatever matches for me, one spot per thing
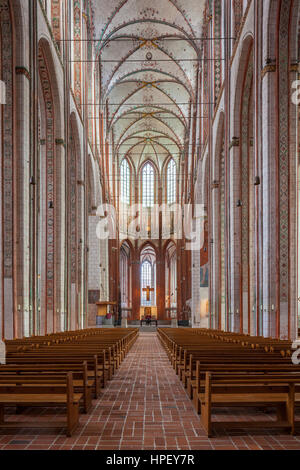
(131, 177)
(242, 299)
(243, 61)
(156, 180)
(148, 243)
(164, 179)
(52, 264)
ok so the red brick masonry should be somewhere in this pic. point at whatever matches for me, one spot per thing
(145, 407)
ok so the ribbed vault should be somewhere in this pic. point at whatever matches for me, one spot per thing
(148, 75)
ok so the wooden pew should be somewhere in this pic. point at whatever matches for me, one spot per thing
(34, 394)
(262, 370)
(194, 353)
(273, 391)
(61, 369)
(37, 374)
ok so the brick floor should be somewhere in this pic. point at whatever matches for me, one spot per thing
(145, 407)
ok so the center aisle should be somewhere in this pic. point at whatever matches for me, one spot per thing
(145, 407)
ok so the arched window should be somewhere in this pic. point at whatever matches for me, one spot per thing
(148, 185)
(125, 182)
(148, 276)
(171, 182)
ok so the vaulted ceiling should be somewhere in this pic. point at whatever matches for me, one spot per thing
(147, 52)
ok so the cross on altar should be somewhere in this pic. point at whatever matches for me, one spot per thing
(148, 289)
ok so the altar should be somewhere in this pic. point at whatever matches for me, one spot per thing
(148, 311)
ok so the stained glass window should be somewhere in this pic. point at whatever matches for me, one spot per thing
(171, 182)
(147, 280)
(148, 185)
(125, 182)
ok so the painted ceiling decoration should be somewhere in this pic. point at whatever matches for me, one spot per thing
(147, 53)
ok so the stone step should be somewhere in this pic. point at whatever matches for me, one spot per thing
(147, 329)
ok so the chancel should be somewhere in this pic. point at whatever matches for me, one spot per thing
(149, 223)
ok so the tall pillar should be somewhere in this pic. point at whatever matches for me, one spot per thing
(160, 286)
(136, 285)
(94, 270)
(234, 239)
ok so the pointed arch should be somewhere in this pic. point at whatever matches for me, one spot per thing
(148, 184)
(51, 250)
(125, 181)
(171, 181)
(148, 274)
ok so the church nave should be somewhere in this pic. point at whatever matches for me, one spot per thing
(143, 407)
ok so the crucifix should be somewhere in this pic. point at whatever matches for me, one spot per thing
(148, 289)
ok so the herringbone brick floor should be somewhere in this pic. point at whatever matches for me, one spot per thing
(145, 406)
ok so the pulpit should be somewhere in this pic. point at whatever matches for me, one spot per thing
(102, 310)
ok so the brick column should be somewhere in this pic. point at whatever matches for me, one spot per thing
(160, 286)
(94, 273)
(136, 285)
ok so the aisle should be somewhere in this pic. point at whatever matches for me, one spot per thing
(145, 407)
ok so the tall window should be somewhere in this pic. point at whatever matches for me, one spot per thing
(148, 185)
(171, 182)
(148, 281)
(125, 182)
(148, 276)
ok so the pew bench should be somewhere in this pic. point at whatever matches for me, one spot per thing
(26, 378)
(255, 392)
(35, 394)
(63, 364)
